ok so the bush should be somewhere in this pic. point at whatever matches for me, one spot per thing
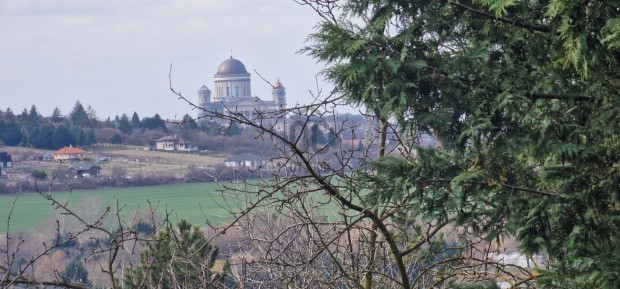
(116, 139)
(39, 174)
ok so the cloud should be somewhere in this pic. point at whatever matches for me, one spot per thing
(57, 7)
(106, 52)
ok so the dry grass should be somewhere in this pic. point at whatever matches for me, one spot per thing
(133, 160)
(147, 161)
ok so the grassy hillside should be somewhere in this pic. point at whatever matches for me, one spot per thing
(188, 201)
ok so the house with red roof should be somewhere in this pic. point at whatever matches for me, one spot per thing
(69, 153)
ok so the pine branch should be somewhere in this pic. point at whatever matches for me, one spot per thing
(506, 186)
(514, 22)
(561, 96)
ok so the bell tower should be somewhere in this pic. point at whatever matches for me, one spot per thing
(204, 98)
(279, 94)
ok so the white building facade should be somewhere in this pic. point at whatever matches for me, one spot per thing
(232, 93)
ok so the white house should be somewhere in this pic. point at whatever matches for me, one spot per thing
(174, 143)
(246, 160)
(69, 153)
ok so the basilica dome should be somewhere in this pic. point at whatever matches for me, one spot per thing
(232, 66)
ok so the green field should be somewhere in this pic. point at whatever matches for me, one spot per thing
(193, 202)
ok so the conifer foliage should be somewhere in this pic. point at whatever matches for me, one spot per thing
(179, 257)
(524, 98)
(76, 272)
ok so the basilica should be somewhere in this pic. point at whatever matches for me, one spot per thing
(232, 93)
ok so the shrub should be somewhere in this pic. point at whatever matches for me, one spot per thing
(39, 174)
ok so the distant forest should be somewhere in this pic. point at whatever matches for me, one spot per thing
(82, 128)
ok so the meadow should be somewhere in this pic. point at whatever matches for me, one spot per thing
(194, 202)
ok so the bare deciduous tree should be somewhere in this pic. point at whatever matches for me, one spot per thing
(311, 217)
(106, 238)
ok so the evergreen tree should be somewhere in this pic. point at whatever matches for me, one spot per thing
(135, 121)
(33, 116)
(154, 122)
(332, 138)
(78, 116)
(12, 134)
(179, 257)
(57, 116)
(124, 125)
(523, 96)
(116, 139)
(42, 137)
(317, 137)
(84, 137)
(93, 120)
(39, 174)
(108, 123)
(91, 136)
(9, 115)
(23, 117)
(62, 137)
(233, 128)
(76, 272)
(210, 127)
(188, 122)
(293, 131)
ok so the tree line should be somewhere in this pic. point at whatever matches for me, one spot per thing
(81, 127)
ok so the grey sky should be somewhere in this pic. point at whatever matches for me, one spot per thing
(115, 54)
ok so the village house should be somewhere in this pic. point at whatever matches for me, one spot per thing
(174, 143)
(246, 160)
(69, 153)
(83, 170)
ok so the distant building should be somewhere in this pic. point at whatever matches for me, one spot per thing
(521, 260)
(5, 161)
(352, 144)
(245, 160)
(174, 143)
(233, 94)
(69, 153)
(83, 170)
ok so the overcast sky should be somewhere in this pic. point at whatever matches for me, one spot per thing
(115, 54)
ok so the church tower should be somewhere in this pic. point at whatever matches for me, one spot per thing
(204, 98)
(279, 94)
